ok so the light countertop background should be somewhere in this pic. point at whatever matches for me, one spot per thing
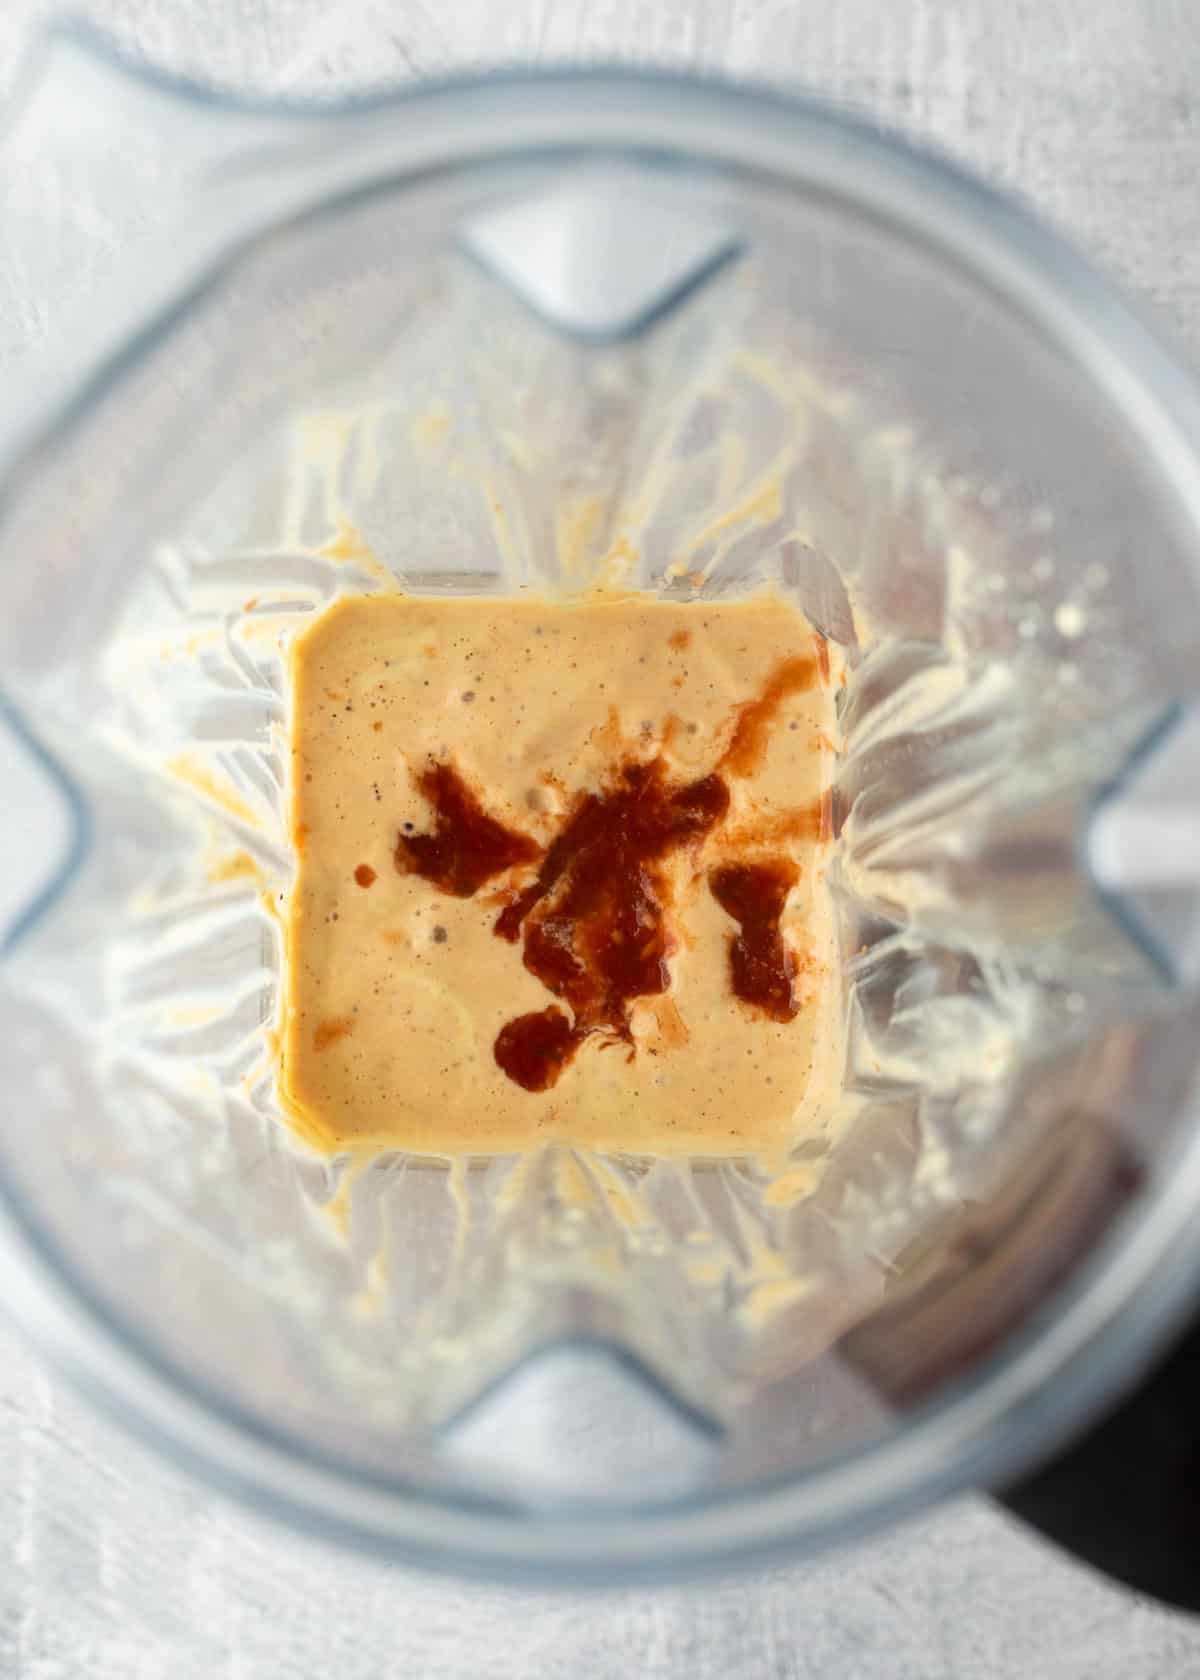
(112, 1566)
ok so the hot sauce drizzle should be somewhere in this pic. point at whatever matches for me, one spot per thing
(467, 847)
(761, 966)
(595, 919)
(601, 936)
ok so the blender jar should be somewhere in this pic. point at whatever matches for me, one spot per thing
(406, 341)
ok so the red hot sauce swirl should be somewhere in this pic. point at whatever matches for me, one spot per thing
(762, 968)
(467, 847)
(596, 918)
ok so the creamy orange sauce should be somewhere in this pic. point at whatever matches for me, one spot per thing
(398, 989)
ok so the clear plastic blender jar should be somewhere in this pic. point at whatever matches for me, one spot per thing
(367, 329)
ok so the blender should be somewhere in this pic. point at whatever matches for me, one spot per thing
(401, 343)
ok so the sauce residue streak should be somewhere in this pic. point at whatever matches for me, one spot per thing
(328, 1032)
(745, 750)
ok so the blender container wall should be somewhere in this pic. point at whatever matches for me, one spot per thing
(529, 338)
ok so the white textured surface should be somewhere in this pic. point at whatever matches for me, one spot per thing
(116, 1568)
(120, 1570)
